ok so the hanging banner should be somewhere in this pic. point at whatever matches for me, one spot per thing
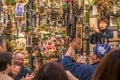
(19, 10)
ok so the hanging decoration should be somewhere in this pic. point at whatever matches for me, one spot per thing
(86, 15)
(91, 2)
(21, 1)
(108, 8)
(10, 2)
(119, 23)
(4, 19)
(67, 1)
(1, 6)
(64, 4)
(19, 10)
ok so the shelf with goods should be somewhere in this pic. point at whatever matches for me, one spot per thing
(115, 42)
(20, 22)
(51, 23)
(46, 45)
(110, 10)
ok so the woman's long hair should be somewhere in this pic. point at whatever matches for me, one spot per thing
(51, 71)
(109, 66)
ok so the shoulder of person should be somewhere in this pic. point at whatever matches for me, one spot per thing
(93, 34)
(71, 76)
(24, 69)
(10, 78)
(6, 77)
(108, 28)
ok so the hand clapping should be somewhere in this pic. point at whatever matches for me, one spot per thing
(28, 77)
(95, 28)
(76, 43)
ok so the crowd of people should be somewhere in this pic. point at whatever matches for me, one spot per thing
(105, 63)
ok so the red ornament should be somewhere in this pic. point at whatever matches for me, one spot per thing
(67, 1)
(9, 24)
(21, 1)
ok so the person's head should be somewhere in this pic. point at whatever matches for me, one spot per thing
(103, 22)
(18, 58)
(99, 51)
(5, 62)
(2, 45)
(109, 66)
(51, 71)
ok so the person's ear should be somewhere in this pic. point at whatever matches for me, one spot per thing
(8, 66)
(4, 45)
(94, 57)
(3, 48)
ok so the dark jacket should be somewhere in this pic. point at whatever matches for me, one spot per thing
(24, 71)
(101, 36)
(81, 71)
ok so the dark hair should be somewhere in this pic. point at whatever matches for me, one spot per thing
(109, 66)
(1, 41)
(103, 18)
(51, 71)
(5, 58)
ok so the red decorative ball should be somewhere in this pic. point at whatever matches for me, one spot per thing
(9, 24)
(67, 1)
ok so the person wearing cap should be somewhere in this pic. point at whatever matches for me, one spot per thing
(83, 71)
(99, 51)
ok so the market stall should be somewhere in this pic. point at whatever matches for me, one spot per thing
(43, 29)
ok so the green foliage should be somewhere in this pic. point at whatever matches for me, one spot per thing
(27, 15)
(9, 37)
(64, 4)
(45, 36)
(43, 26)
(24, 1)
(28, 29)
(119, 23)
(34, 6)
(10, 2)
(11, 17)
(15, 36)
(64, 36)
(91, 2)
